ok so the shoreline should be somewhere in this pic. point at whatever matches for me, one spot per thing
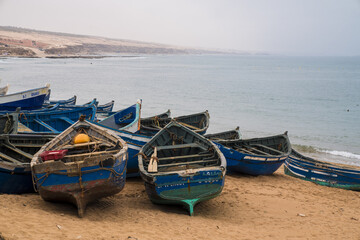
(264, 207)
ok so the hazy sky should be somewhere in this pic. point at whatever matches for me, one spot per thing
(293, 27)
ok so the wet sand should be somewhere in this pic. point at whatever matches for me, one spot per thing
(264, 207)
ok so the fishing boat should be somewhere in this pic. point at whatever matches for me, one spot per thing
(70, 101)
(322, 173)
(57, 120)
(30, 99)
(182, 167)
(166, 114)
(226, 135)
(105, 108)
(16, 152)
(82, 164)
(198, 122)
(256, 156)
(127, 119)
(4, 90)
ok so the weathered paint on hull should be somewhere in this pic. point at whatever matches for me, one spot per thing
(320, 179)
(80, 189)
(80, 196)
(185, 190)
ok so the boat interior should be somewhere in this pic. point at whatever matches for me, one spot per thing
(271, 146)
(20, 149)
(176, 149)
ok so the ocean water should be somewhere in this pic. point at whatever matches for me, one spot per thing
(315, 99)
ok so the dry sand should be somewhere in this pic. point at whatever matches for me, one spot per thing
(264, 207)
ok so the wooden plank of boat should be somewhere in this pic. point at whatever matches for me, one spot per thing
(6, 157)
(187, 156)
(188, 145)
(269, 148)
(27, 155)
(189, 126)
(187, 163)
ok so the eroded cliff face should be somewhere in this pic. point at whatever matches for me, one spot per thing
(31, 43)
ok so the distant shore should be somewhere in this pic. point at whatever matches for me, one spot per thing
(20, 42)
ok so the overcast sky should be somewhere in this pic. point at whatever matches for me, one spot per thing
(291, 27)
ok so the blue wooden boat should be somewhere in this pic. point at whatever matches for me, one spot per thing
(322, 173)
(182, 167)
(70, 101)
(127, 119)
(82, 164)
(55, 121)
(16, 152)
(30, 99)
(256, 156)
(198, 122)
(226, 135)
(105, 108)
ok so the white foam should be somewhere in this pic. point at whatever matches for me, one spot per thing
(342, 153)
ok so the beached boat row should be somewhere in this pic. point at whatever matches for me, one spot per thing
(80, 153)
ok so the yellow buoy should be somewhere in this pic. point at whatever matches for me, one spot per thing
(81, 138)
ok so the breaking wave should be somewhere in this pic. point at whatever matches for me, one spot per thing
(342, 154)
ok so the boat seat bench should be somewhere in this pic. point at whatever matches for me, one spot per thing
(187, 163)
(178, 146)
(269, 148)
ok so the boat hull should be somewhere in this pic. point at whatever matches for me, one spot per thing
(323, 174)
(80, 186)
(249, 164)
(27, 100)
(15, 179)
(185, 190)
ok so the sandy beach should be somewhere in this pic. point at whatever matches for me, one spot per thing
(264, 207)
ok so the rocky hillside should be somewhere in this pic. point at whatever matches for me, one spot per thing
(22, 42)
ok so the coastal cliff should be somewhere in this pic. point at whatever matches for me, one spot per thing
(21, 42)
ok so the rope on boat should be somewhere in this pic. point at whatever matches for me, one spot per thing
(37, 182)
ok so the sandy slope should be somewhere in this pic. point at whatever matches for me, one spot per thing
(45, 44)
(265, 207)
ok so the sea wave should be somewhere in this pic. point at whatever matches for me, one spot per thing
(342, 154)
(314, 150)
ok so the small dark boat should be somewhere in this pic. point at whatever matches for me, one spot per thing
(127, 119)
(70, 101)
(182, 167)
(198, 122)
(16, 152)
(322, 173)
(166, 114)
(226, 135)
(82, 164)
(256, 156)
(105, 108)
